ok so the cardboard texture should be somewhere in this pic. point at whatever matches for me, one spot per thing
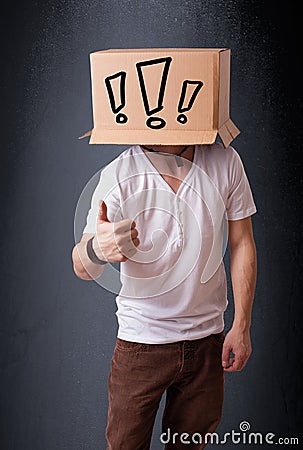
(163, 96)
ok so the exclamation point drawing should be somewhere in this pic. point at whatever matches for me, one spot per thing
(149, 70)
(190, 90)
(115, 85)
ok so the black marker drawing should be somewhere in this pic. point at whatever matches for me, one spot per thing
(154, 122)
(183, 105)
(117, 96)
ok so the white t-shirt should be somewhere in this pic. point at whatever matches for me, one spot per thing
(174, 288)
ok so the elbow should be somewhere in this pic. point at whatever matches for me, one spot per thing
(78, 267)
(81, 273)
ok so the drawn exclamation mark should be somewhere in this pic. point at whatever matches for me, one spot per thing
(190, 90)
(149, 70)
(115, 85)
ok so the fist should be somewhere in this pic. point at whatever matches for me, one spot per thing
(114, 241)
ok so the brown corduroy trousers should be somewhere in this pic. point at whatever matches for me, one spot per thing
(191, 374)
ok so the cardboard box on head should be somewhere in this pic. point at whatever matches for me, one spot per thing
(167, 96)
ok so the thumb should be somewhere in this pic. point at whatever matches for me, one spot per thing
(226, 354)
(102, 215)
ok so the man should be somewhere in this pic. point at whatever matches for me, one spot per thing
(161, 216)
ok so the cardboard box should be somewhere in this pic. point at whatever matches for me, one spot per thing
(161, 96)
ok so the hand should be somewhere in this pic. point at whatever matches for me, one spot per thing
(114, 242)
(238, 342)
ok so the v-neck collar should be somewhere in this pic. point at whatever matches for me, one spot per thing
(183, 182)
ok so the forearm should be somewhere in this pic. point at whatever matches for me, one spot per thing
(84, 268)
(243, 267)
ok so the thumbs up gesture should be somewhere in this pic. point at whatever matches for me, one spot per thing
(114, 241)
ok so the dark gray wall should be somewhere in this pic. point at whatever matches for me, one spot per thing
(58, 332)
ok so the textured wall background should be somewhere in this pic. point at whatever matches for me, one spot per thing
(57, 332)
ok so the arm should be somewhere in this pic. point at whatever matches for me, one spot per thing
(243, 268)
(113, 242)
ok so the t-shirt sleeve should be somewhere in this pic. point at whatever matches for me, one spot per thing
(240, 203)
(106, 190)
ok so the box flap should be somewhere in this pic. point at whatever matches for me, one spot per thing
(227, 132)
(163, 137)
(87, 134)
(159, 49)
